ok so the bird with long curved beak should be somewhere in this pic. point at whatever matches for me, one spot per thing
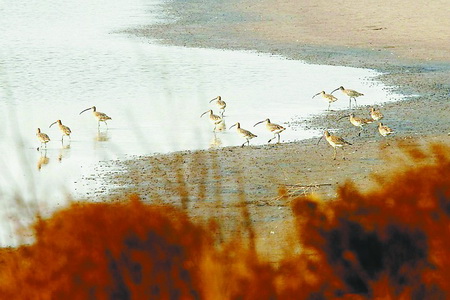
(43, 138)
(101, 117)
(220, 104)
(351, 93)
(214, 119)
(273, 128)
(64, 129)
(334, 141)
(330, 98)
(358, 122)
(244, 133)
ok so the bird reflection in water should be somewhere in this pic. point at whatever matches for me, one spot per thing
(102, 136)
(63, 151)
(215, 142)
(43, 160)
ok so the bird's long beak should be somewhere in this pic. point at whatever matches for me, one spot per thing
(319, 140)
(213, 99)
(342, 118)
(204, 113)
(259, 123)
(52, 124)
(231, 126)
(85, 110)
(334, 91)
(315, 95)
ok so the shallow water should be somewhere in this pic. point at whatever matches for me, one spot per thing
(58, 58)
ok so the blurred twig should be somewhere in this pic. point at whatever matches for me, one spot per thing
(293, 190)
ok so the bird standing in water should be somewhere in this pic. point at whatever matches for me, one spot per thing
(42, 137)
(214, 119)
(101, 117)
(64, 129)
(351, 93)
(220, 103)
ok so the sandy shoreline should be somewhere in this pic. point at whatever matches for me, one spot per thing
(218, 183)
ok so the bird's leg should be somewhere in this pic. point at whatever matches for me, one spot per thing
(274, 136)
(334, 158)
(278, 138)
(350, 103)
(360, 130)
(329, 103)
(356, 105)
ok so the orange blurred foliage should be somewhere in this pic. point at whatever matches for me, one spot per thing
(389, 243)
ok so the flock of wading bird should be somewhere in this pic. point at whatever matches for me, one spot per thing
(275, 129)
(333, 140)
(218, 120)
(375, 116)
(65, 130)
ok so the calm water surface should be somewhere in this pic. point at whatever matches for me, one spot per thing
(60, 57)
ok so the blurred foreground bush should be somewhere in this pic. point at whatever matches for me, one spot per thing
(390, 243)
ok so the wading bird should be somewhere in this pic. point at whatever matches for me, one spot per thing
(214, 119)
(330, 98)
(358, 122)
(273, 128)
(384, 130)
(244, 133)
(64, 129)
(334, 141)
(220, 104)
(101, 117)
(351, 93)
(375, 114)
(42, 137)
